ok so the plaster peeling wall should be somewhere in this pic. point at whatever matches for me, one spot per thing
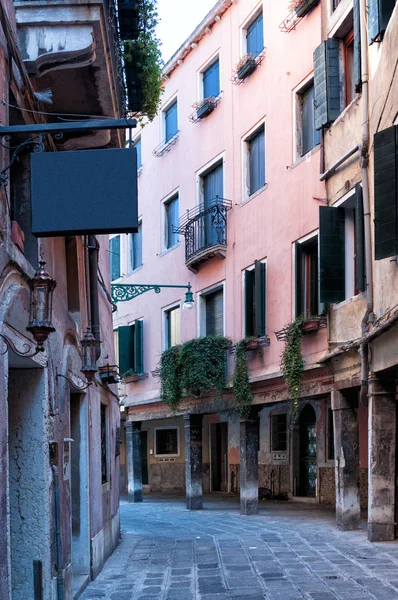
(29, 478)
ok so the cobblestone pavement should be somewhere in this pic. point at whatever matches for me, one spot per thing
(287, 552)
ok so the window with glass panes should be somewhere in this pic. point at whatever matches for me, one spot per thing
(211, 80)
(255, 300)
(166, 441)
(256, 151)
(171, 121)
(279, 433)
(171, 221)
(309, 137)
(136, 248)
(255, 36)
(114, 257)
(173, 327)
(215, 313)
(307, 298)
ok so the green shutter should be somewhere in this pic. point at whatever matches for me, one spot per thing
(299, 279)
(332, 254)
(249, 303)
(139, 347)
(386, 193)
(326, 83)
(126, 348)
(259, 298)
(380, 12)
(215, 313)
(360, 268)
(357, 46)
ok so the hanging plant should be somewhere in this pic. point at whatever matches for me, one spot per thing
(195, 368)
(242, 390)
(293, 363)
(145, 57)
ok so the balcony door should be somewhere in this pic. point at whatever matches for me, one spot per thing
(213, 188)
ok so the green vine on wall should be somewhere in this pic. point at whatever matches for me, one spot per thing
(293, 363)
(196, 367)
(242, 390)
(146, 55)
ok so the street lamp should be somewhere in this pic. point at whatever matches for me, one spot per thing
(122, 292)
(41, 295)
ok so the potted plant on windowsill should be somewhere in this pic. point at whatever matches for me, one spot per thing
(204, 108)
(246, 66)
(253, 343)
(302, 7)
(130, 376)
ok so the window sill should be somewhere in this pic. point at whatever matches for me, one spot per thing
(168, 250)
(133, 271)
(252, 196)
(167, 456)
(348, 301)
(305, 158)
(346, 110)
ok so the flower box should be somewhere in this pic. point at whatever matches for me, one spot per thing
(304, 7)
(109, 374)
(247, 68)
(257, 342)
(205, 108)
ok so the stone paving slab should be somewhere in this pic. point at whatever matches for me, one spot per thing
(287, 552)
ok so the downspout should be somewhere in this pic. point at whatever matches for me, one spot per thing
(93, 250)
(57, 509)
(364, 348)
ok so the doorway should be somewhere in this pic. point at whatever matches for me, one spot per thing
(144, 457)
(219, 457)
(79, 468)
(307, 453)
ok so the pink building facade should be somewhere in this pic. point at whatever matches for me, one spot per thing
(254, 157)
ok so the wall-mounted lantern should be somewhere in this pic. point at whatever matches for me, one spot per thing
(41, 300)
(89, 347)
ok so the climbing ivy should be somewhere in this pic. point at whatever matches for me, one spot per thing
(146, 55)
(196, 367)
(293, 363)
(242, 390)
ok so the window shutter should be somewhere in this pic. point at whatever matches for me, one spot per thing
(357, 46)
(137, 247)
(126, 348)
(137, 146)
(171, 122)
(139, 346)
(332, 254)
(257, 161)
(114, 255)
(360, 268)
(386, 192)
(260, 298)
(211, 80)
(215, 313)
(380, 12)
(255, 36)
(326, 83)
(299, 280)
(249, 303)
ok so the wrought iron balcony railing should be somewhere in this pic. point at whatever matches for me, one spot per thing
(205, 230)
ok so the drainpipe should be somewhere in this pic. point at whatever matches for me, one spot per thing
(93, 250)
(57, 509)
(364, 349)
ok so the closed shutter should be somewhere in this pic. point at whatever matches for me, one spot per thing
(332, 254)
(299, 279)
(212, 189)
(326, 83)
(360, 268)
(137, 146)
(172, 221)
(380, 12)
(114, 257)
(357, 46)
(137, 247)
(215, 313)
(249, 303)
(211, 80)
(255, 36)
(171, 121)
(126, 348)
(139, 347)
(260, 297)
(257, 161)
(386, 192)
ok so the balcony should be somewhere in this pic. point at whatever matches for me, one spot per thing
(72, 49)
(205, 230)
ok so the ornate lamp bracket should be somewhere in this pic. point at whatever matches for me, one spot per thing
(74, 382)
(28, 353)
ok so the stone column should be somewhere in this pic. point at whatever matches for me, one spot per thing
(382, 440)
(346, 444)
(249, 466)
(193, 461)
(134, 466)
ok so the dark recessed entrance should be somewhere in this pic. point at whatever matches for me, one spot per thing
(219, 457)
(307, 444)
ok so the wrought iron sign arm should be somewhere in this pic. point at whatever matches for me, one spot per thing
(74, 384)
(121, 292)
(28, 353)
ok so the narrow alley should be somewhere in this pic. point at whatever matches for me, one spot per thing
(286, 552)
